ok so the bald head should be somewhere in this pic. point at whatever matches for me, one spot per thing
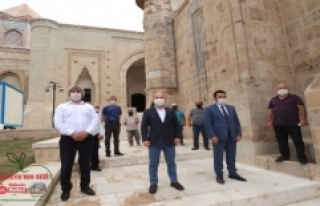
(282, 85)
(282, 89)
(198, 103)
(159, 99)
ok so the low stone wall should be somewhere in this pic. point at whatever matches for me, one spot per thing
(25, 134)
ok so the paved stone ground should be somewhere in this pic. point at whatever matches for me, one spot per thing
(128, 185)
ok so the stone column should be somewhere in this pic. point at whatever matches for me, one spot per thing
(42, 57)
(312, 97)
(159, 50)
(38, 114)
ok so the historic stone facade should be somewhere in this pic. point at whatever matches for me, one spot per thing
(104, 61)
(243, 47)
(191, 48)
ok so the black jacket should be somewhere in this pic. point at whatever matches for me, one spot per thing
(155, 131)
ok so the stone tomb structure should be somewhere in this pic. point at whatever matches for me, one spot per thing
(35, 51)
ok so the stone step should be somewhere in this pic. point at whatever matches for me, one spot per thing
(138, 155)
(127, 185)
(308, 146)
(293, 167)
(310, 202)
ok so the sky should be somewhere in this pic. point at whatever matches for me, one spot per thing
(117, 14)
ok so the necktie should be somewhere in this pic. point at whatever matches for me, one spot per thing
(224, 112)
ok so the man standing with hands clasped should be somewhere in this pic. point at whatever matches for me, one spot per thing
(223, 127)
(76, 121)
(160, 132)
(286, 114)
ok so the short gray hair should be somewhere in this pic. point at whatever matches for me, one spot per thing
(76, 87)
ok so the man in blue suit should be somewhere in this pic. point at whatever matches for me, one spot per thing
(224, 130)
(160, 131)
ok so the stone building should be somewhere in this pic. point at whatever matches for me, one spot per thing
(35, 51)
(189, 48)
(245, 47)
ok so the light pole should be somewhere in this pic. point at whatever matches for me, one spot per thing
(54, 85)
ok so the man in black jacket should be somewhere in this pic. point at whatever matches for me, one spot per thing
(160, 131)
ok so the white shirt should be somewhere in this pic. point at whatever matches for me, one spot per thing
(161, 113)
(70, 117)
(225, 108)
(99, 128)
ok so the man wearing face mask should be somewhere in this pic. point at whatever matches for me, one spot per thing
(181, 119)
(99, 133)
(196, 121)
(223, 127)
(131, 123)
(76, 122)
(160, 132)
(286, 114)
(111, 116)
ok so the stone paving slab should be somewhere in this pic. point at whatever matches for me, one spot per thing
(128, 185)
(310, 202)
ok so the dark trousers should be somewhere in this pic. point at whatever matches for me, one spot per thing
(95, 152)
(196, 131)
(282, 133)
(230, 146)
(181, 132)
(169, 155)
(68, 150)
(112, 129)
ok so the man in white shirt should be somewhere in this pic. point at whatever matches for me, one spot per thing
(76, 122)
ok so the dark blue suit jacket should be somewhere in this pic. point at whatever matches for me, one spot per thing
(216, 125)
(156, 131)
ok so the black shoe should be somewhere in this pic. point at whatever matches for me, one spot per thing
(220, 179)
(97, 169)
(118, 154)
(237, 177)
(65, 195)
(108, 155)
(88, 191)
(195, 148)
(281, 159)
(206, 148)
(153, 189)
(177, 185)
(303, 162)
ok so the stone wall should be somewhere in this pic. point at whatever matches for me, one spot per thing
(26, 134)
(91, 57)
(301, 19)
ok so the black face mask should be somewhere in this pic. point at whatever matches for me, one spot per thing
(199, 106)
(130, 113)
(174, 108)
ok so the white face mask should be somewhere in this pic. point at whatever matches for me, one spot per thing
(112, 102)
(283, 92)
(222, 101)
(97, 111)
(159, 102)
(75, 96)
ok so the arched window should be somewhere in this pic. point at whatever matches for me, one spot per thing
(13, 38)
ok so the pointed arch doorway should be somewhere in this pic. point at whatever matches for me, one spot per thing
(85, 81)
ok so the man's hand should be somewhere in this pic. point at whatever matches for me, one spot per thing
(238, 138)
(146, 143)
(83, 135)
(214, 140)
(303, 122)
(100, 137)
(176, 141)
(76, 136)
